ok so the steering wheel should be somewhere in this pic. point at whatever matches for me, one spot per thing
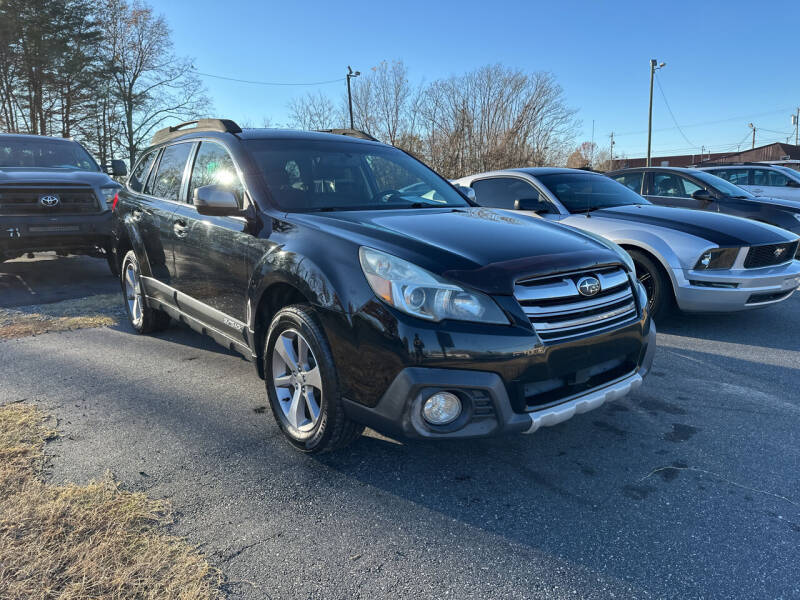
(386, 195)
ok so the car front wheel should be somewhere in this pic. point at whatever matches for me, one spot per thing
(302, 385)
(142, 318)
(655, 283)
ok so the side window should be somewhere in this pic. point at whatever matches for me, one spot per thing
(138, 176)
(632, 181)
(689, 187)
(669, 185)
(214, 166)
(769, 177)
(500, 192)
(735, 176)
(167, 181)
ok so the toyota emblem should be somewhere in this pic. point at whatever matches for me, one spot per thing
(779, 252)
(588, 286)
(49, 201)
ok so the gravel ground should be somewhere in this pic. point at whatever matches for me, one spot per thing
(688, 489)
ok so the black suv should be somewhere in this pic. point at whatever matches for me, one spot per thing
(701, 190)
(369, 291)
(54, 196)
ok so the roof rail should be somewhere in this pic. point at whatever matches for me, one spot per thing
(223, 125)
(357, 133)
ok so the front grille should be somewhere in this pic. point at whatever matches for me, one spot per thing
(25, 200)
(771, 254)
(558, 311)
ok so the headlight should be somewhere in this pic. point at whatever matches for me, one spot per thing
(109, 193)
(422, 294)
(717, 258)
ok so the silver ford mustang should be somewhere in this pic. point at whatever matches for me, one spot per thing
(700, 261)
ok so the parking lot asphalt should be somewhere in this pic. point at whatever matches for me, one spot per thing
(49, 278)
(690, 488)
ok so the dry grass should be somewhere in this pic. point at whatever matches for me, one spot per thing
(77, 542)
(93, 311)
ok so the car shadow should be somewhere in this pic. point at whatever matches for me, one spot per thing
(769, 327)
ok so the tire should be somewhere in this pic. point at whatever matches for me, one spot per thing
(302, 384)
(141, 317)
(660, 297)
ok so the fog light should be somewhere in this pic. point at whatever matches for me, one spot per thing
(441, 408)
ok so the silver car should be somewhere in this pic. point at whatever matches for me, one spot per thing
(772, 181)
(701, 261)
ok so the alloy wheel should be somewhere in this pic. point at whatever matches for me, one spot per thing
(133, 294)
(297, 381)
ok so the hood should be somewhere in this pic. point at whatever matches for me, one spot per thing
(719, 229)
(45, 176)
(480, 248)
(779, 203)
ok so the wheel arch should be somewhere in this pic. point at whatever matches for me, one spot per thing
(657, 260)
(127, 238)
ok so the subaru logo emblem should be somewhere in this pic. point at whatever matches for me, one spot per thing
(49, 201)
(588, 286)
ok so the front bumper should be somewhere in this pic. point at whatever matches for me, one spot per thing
(67, 233)
(735, 289)
(488, 408)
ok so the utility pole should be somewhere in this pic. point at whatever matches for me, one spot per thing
(350, 75)
(611, 157)
(654, 66)
(796, 119)
(753, 127)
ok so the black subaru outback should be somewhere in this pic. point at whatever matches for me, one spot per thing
(53, 196)
(369, 291)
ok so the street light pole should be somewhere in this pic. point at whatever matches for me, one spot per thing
(753, 127)
(654, 66)
(351, 74)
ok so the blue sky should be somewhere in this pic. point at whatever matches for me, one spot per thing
(728, 63)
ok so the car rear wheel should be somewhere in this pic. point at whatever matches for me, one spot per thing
(142, 318)
(302, 385)
(655, 283)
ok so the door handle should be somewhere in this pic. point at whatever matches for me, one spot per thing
(180, 228)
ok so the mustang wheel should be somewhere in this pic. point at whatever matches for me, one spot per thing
(143, 318)
(656, 284)
(302, 385)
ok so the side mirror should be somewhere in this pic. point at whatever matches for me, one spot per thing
(702, 195)
(216, 201)
(531, 204)
(118, 168)
(466, 191)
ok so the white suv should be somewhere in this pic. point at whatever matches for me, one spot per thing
(762, 179)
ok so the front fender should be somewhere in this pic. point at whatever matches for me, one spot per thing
(281, 266)
(127, 228)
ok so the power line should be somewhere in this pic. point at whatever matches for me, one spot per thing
(281, 83)
(674, 120)
(745, 118)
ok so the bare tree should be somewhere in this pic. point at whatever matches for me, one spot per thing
(152, 85)
(493, 118)
(583, 156)
(313, 111)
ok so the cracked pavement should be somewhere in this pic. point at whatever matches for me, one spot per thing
(690, 488)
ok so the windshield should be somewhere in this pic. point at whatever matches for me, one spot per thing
(724, 187)
(579, 192)
(307, 175)
(46, 153)
(788, 171)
